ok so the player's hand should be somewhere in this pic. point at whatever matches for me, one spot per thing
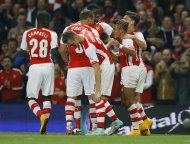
(97, 97)
(110, 42)
(113, 42)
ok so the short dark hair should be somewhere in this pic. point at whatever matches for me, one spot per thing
(8, 58)
(68, 35)
(94, 8)
(122, 24)
(43, 18)
(134, 16)
(84, 14)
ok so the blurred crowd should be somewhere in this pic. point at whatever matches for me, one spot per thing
(164, 23)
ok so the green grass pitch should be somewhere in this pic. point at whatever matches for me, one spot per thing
(59, 138)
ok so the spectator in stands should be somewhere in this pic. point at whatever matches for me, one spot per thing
(163, 80)
(20, 27)
(76, 7)
(31, 11)
(178, 47)
(59, 22)
(19, 39)
(143, 25)
(109, 11)
(186, 32)
(181, 73)
(167, 31)
(12, 48)
(59, 96)
(180, 25)
(11, 84)
(13, 14)
(5, 7)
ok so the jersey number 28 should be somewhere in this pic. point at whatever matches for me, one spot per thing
(43, 44)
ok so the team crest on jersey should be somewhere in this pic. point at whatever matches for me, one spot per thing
(14, 76)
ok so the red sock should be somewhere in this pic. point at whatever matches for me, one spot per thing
(69, 110)
(77, 113)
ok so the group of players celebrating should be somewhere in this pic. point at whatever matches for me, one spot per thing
(90, 46)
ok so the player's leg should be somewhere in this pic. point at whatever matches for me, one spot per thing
(77, 115)
(92, 112)
(139, 90)
(107, 77)
(32, 90)
(47, 88)
(89, 83)
(129, 81)
(74, 89)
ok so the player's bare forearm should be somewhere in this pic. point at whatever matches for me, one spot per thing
(141, 43)
(63, 51)
(97, 73)
(59, 60)
(114, 56)
(129, 51)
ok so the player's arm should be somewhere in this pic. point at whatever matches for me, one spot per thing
(139, 39)
(55, 52)
(127, 46)
(63, 51)
(24, 46)
(59, 60)
(107, 28)
(63, 48)
(141, 43)
(108, 46)
(91, 54)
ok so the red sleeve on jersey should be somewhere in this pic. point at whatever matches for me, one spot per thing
(85, 44)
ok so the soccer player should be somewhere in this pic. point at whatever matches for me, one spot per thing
(39, 42)
(93, 48)
(133, 75)
(106, 30)
(78, 62)
(132, 18)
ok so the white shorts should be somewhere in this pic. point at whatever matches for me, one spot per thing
(134, 77)
(107, 77)
(77, 78)
(40, 76)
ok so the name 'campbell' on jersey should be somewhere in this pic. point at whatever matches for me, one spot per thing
(39, 42)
